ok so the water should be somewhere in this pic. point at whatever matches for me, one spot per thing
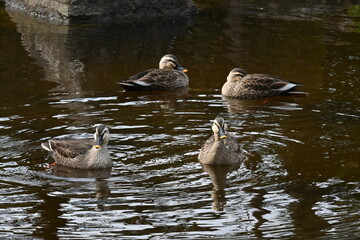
(301, 180)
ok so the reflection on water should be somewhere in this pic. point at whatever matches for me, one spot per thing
(241, 106)
(218, 176)
(300, 181)
(64, 53)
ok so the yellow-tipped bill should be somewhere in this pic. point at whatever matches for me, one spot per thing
(185, 70)
(96, 146)
(223, 136)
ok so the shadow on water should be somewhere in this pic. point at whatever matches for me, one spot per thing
(46, 211)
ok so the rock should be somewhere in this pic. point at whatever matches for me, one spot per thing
(68, 11)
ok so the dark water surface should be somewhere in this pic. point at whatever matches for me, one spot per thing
(300, 182)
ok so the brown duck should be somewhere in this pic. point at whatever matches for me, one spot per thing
(221, 148)
(239, 84)
(169, 76)
(82, 153)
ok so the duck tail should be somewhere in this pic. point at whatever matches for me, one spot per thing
(134, 86)
(47, 146)
(127, 86)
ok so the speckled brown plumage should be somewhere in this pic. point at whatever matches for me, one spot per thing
(221, 148)
(82, 153)
(170, 75)
(239, 84)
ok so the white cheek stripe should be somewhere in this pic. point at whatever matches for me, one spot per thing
(50, 146)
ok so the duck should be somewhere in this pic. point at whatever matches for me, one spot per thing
(239, 84)
(82, 153)
(170, 75)
(222, 148)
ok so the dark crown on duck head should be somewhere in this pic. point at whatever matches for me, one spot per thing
(168, 61)
(219, 128)
(100, 129)
(236, 74)
(219, 121)
(170, 57)
(239, 72)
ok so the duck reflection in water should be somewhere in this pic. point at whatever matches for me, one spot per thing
(241, 106)
(102, 190)
(102, 194)
(218, 175)
(164, 99)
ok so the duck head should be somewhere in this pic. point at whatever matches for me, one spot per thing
(169, 61)
(101, 136)
(219, 128)
(236, 74)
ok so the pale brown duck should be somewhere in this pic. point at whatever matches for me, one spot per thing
(169, 76)
(82, 153)
(222, 148)
(239, 84)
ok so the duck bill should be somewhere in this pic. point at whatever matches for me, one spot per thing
(98, 143)
(222, 134)
(180, 68)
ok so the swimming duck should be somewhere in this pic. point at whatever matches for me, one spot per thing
(170, 75)
(82, 154)
(221, 148)
(242, 85)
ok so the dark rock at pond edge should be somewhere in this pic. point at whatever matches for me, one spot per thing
(69, 11)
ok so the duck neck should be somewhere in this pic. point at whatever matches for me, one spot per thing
(220, 152)
(98, 156)
(217, 138)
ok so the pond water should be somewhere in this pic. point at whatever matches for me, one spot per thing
(300, 181)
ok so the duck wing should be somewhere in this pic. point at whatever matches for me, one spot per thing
(262, 82)
(147, 79)
(207, 145)
(142, 80)
(233, 145)
(68, 148)
(136, 76)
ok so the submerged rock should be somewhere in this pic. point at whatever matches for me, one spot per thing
(68, 11)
